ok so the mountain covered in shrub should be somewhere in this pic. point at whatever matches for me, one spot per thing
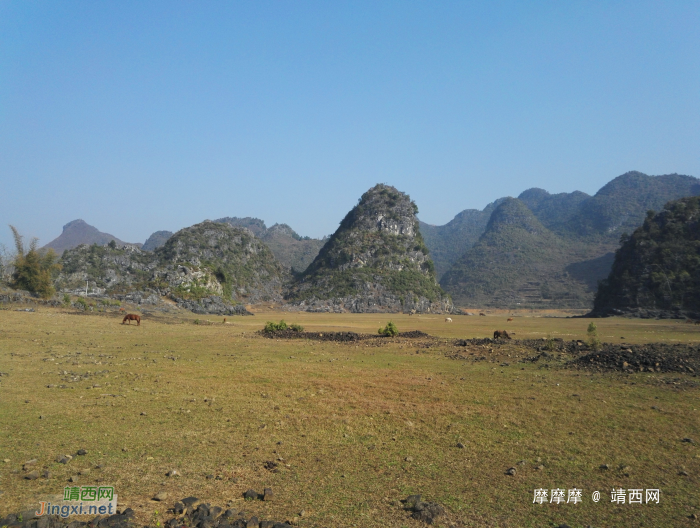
(375, 261)
(208, 263)
(517, 262)
(449, 242)
(291, 250)
(656, 271)
(587, 228)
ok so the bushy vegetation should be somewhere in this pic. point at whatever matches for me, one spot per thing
(658, 266)
(389, 330)
(81, 303)
(271, 327)
(593, 339)
(34, 270)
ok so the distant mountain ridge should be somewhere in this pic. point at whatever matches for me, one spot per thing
(294, 252)
(449, 242)
(80, 232)
(517, 262)
(590, 226)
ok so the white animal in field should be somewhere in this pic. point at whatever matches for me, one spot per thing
(448, 319)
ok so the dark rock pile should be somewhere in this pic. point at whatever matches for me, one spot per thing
(189, 512)
(29, 519)
(428, 512)
(649, 357)
(652, 357)
(192, 512)
(342, 337)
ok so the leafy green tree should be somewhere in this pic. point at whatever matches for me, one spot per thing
(34, 270)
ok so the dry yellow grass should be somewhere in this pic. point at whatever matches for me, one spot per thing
(220, 400)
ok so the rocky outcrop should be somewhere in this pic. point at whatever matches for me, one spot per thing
(375, 262)
(214, 258)
(156, 240)
(207, 268)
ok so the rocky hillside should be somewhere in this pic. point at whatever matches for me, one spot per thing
(621, 205)
(235, 264)
(80, 232)
(156, 240)
(517, 262)
(294, 252)
(207, 268)
(449, 242)
(588, 229)
(376, 261)
(255, 225)
(656, 272)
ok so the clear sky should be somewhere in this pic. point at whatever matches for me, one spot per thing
(140, 116)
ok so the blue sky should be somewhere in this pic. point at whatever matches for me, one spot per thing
(141, 116)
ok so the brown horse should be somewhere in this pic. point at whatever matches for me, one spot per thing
(509, 319)
(501, 334)
(483, 314)
(132, 317)
(697, 322)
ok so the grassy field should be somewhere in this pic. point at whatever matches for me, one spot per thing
(352, 427)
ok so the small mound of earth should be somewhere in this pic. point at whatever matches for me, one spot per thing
(342, 337)
(651, 357)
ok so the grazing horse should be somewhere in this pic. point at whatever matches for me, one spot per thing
(509, 319)
(482, 313)
(498, 334)
(132, 317)
(448, 319)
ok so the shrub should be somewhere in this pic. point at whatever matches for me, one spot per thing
(389, 330)
(296, 328)
(34, 270)
(549, 344)
(275, 327)
(66, 299)
(593, 340)
(81, 303)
